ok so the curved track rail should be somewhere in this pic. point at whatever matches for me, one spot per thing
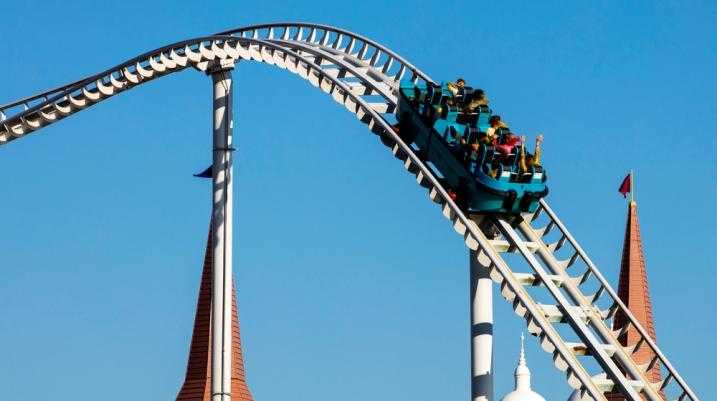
(350, 68)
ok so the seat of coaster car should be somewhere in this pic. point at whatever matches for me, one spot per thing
(467, 119)
(433, 94)
(474, 135)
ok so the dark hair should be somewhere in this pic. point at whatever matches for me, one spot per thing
(460, 80)
(494, 118)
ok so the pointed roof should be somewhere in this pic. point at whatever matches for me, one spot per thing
(197, 383)
(522, 373)
(522, 391)
(634, 291)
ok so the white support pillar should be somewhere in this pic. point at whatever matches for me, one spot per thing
(222, 232)
(481, 298)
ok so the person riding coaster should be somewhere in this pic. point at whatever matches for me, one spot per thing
(484, 165)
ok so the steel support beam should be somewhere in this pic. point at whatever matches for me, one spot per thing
(222, 276)
(481, 310)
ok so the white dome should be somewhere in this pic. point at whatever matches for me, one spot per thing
(523, 395)
(522, 391)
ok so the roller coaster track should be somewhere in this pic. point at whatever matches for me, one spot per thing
(575, 327)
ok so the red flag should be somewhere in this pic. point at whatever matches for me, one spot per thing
(625, 186)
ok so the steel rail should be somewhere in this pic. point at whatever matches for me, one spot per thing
(324, 55)
(595, 319)
(61, 92)
(574, 320)
(579, 299)
(196, 51)
(92, 78)
(176, 48)
(233, 32)
(338, 31)
(472, 236)
(616, 300)
(87, 83)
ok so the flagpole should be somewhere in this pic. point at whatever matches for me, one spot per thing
(632, 186)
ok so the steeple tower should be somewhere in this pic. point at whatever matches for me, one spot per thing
(197, 383)
(633, 290)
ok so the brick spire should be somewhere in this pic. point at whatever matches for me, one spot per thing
(633, 290)
(198, 381)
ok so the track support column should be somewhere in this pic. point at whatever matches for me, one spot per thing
(481, 310)
(222, 276)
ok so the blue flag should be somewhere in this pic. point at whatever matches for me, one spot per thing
(206, 173)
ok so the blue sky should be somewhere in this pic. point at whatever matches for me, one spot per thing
(351, 283)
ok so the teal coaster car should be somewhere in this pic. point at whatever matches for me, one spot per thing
(484, 182)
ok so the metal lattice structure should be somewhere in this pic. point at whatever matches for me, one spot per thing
(575, 327)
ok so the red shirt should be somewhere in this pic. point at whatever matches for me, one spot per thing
(508, 146)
